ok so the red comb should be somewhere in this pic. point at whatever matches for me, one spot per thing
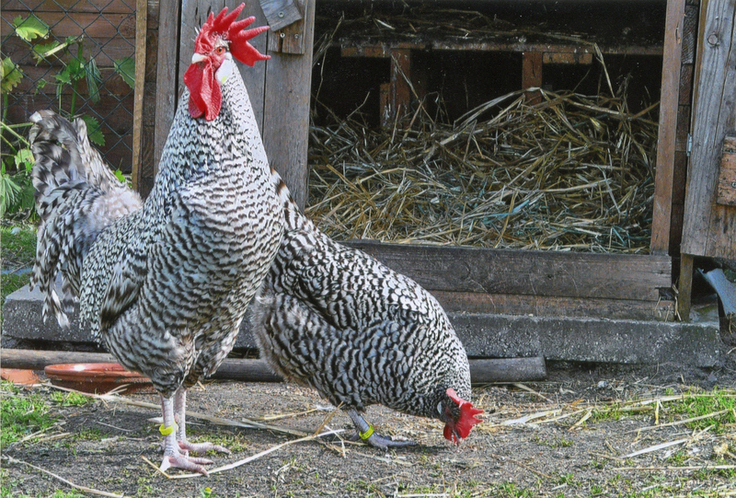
(467, 415)
(233, 32)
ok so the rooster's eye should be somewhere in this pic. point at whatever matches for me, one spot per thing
(220, 50)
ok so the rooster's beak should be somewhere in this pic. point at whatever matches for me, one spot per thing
(197, 58)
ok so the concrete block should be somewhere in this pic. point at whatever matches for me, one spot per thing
(484, 335)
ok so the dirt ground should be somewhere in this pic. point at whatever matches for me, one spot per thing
(522, 449)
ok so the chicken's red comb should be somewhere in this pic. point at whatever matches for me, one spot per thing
(467, 414)
(234, 32)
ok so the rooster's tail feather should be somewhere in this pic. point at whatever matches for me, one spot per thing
(77, 196)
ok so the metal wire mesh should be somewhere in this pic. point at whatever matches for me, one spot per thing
(76, 57)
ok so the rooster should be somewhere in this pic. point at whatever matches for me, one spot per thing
(335, 319)
(164, 285)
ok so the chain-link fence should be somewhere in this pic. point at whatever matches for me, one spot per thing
(73, 56)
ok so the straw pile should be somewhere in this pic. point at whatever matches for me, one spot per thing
(572, 173)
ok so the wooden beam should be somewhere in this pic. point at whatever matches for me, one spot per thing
(685, 287)
(668, 110)
(141, 29)
(399, 91)
(531, 273)
(531, 75)
(583, 307)
(482, 371)
(166, 74)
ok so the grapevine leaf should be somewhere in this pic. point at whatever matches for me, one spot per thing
(30, 28)
(11, 74)
(94, 131)
(126, 69)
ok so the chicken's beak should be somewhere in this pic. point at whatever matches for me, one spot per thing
(197, 58)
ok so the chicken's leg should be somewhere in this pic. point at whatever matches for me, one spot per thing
(173, 457)
(371, 438)
(180, 407)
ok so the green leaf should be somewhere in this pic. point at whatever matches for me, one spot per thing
(43, 50)
(63, 76)
(30, 28)
(94, 131)
(11, 74)
(76, 69)
(94, 78)
(126, 69)
(24, 158)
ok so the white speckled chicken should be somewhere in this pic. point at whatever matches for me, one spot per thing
(359, 333)
(164, 286)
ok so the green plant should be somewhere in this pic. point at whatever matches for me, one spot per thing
(16, 190)
(21, 414)
(70, 399)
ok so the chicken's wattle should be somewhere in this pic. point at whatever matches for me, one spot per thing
(205, 96)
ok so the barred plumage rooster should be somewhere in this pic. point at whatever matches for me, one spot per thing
(165, 285)
(335, 319)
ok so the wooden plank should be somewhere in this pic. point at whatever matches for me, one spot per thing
(141, 25)
(661, 215)
(399, 92)
(286, 117)
(532, 273)
(623, 309)
(281, 13)
(685, 287)
(62, 25)
(708, 228)
(482, 371)
(166, 74)
(567, 58)
(531, 75)
(726, 191)
(75, 6)
(290, 37)
(357, 47)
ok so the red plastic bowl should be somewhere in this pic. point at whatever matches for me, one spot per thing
(96, 377)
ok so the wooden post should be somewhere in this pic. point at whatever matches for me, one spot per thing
(668, 109)
(166, 74)
(708, 227)
(531, 75)
(141, 25)
(482, 371)
(286, 102)
(399, 92)
(685, 287)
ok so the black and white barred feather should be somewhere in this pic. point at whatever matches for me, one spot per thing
(77, 197)
(165, 287)
(336, 319)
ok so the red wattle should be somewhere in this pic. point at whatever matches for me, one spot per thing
(205, 96)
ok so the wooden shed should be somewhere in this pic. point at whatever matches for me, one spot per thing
(574, 306)
(478, 285)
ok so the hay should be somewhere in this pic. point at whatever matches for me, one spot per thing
(571, 173)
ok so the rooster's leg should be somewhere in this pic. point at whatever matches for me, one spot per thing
(173, 457)
(180, 405)
(371, 438)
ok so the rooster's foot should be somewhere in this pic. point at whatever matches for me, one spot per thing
(202, 447)
(383, 442)
(180, 461)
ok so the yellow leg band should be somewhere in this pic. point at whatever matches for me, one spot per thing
(165, 431)
(365, 435)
